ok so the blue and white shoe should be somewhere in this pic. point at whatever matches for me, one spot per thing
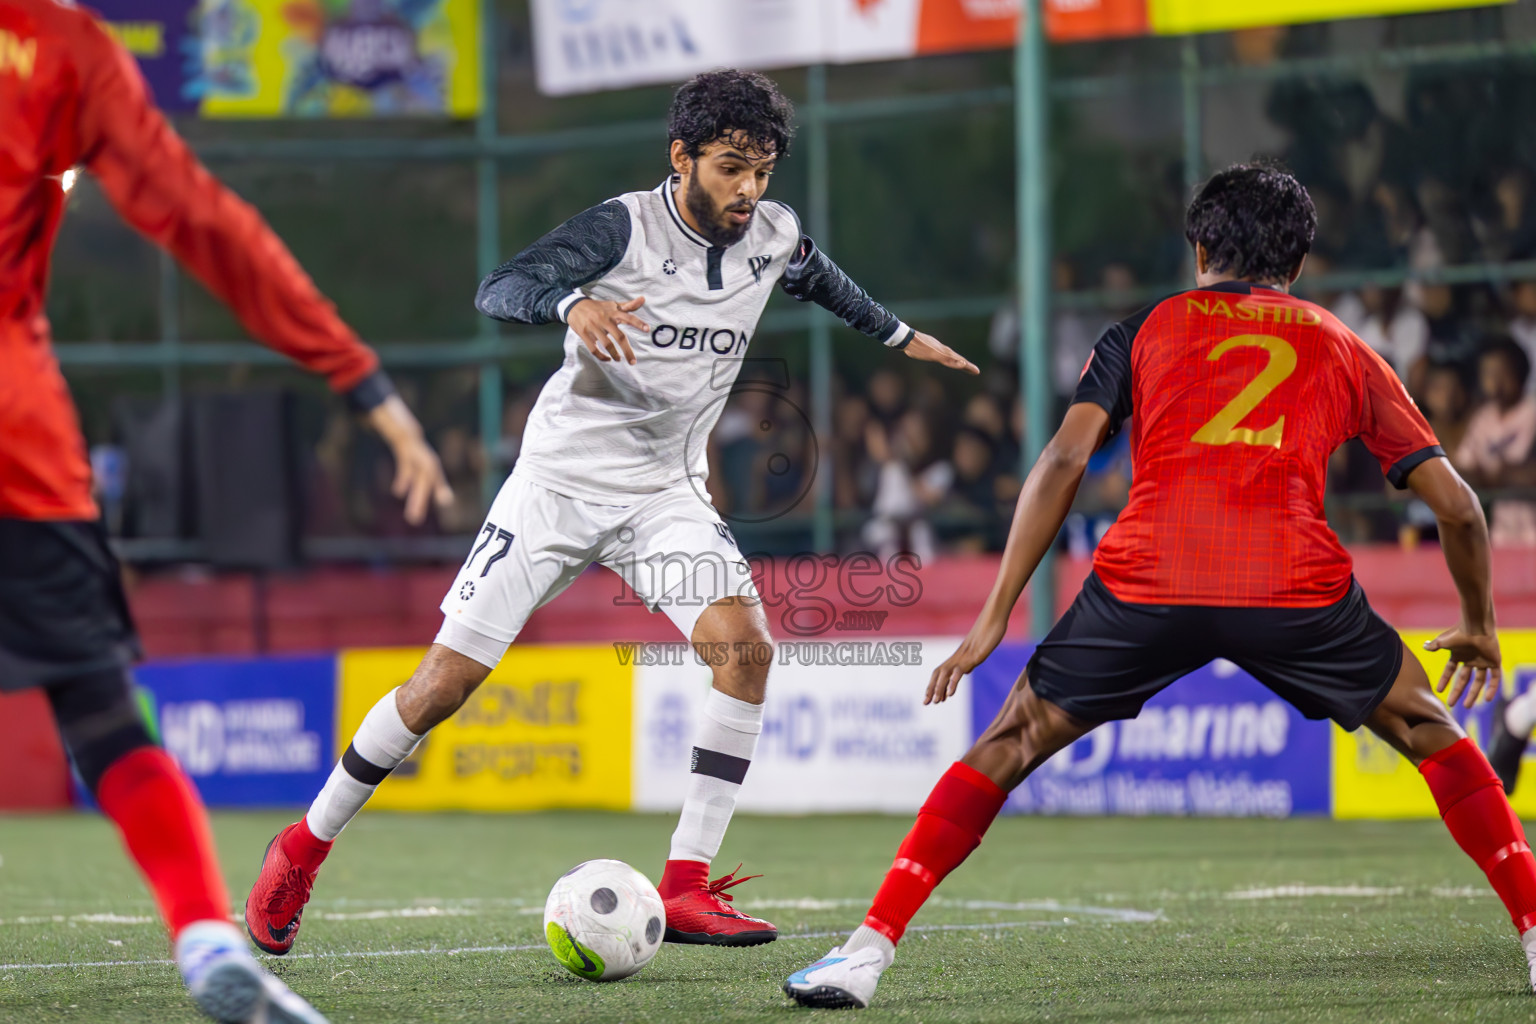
(839, 980)
(227, 983)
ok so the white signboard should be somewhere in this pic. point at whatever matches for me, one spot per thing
(853, 736)
(586, 45)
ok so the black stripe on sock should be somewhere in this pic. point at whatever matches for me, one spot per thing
(720, 766)
(361, 769)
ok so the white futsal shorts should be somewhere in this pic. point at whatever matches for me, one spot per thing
(672, 548)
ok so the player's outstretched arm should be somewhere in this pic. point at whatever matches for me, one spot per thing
(1043, 506)
(542, 284)
(159, 187)
(1475, 666)
(812, 277)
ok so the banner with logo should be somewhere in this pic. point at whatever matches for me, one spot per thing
(1215, 743)
(587, 45)
(161, 35)
(1371, 780)
(250, 732)
(338, 58)
(550, 727)
(844, 728)
(1172, 17)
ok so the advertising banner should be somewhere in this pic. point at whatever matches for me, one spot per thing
(586, 45)
(160, 34)
(1170, 17)
(836, 737)
(1073, 20)
(1215, 743)
(550, 727)
(339, 58)
(250, 732)
(1371, 780)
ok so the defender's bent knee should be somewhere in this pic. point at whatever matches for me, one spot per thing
(99, 721)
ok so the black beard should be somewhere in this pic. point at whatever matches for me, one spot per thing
(712, 224)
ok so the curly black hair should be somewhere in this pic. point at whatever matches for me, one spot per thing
(1255, 220)
(740, 105)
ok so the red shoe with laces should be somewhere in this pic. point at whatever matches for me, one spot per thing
(700, 912)
(276, 903)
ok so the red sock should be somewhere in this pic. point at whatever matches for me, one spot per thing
(683, 876)
(166, 831)
(950, 825)
(1472, 802)
(302, 848)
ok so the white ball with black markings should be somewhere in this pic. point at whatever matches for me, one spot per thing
(604, 920)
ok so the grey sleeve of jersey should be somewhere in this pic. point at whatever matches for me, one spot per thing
(539, 285)
(812, 277)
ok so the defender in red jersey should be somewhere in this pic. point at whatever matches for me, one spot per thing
(70, 95)
(1235, 394)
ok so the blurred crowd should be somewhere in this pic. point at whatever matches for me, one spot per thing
(1412, 173)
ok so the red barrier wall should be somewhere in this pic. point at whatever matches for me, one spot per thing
(327, 609)
(33, 772)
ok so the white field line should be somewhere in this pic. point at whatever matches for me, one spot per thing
(1046, 906)
(989, 926)
(324, 915)
(1286, 892)
(478, 908)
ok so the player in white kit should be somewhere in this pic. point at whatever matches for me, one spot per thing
(661, 292)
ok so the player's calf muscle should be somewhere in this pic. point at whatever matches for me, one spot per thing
(1025, 733)
(439, 687)
(1411, 719)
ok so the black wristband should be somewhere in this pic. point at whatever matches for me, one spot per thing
(904, 342)
(370, 392)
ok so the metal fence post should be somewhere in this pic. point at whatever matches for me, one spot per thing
(488, 250)
(1034, 199)
(1194, 130)
(819, 221)
(169, 301)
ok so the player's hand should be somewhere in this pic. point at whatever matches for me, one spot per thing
(418, 474)
(931, 350)
(1475, 667)
(980, 642)
(600, 326)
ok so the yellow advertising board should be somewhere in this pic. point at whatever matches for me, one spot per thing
(550, 727)
(339, 58)
(1176, 16)
(1371, 780)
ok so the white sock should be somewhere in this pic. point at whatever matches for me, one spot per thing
(722, 752)
(1528, 943)
(1520, 714)
(866, 937)
(381, 743)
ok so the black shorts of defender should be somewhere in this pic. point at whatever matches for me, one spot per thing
(1105, 658)
(63, 614)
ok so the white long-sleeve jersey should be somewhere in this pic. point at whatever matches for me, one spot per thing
(609, 432)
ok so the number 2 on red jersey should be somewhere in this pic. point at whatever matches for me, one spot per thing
(1223, 427)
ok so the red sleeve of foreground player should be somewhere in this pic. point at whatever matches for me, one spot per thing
(160, 188)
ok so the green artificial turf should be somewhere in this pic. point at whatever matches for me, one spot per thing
(1062, 920)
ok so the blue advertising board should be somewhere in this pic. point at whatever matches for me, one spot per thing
(250, 732)
(1215, 743)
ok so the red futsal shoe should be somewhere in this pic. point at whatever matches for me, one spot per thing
(704, 916)
(276, 903)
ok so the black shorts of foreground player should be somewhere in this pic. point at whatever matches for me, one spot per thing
(661, 291)
(1236, 393)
